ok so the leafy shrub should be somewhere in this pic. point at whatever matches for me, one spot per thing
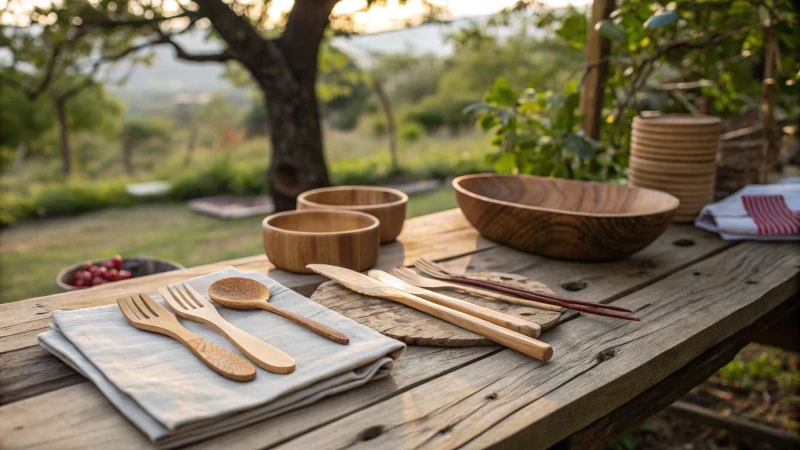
(68, 199)
(378, 126)
(411, 131)
(218, 177)
(440, 111)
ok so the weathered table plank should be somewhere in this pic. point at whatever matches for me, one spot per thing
(80, 417)
(497, 398)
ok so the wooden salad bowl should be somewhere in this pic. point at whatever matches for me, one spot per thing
(574, 220)
(295, 239)
(386, 204)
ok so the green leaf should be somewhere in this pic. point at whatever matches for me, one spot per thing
(501, 93)
(661, 19)
(571, 87)
(487, 121)
(573, 30)
(578, 146)
(505, 163)
(560, 171)
(609, 30)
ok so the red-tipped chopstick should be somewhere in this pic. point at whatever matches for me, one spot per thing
(575, 305)
(522, 293)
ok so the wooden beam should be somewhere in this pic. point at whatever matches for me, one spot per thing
(597, 49)
(738, 427)
(673, 387)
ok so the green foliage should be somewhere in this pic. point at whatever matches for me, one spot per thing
(219, 176)
(753, 373)
(256, 120)
(378, 126)
(67, 199)
(440, 111)
(411, 131)
(537, 133)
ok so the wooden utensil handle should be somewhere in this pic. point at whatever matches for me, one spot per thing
(523, 344)
(523, 326)
(309, 324)
(265, 355)
(220, 360)
(509, 299)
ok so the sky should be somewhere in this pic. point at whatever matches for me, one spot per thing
(390, 16)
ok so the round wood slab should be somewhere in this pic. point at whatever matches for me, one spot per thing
(417, 328)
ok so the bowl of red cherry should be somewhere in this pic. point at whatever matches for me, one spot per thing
(95, 273)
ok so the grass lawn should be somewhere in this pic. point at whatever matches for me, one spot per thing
(31, 254)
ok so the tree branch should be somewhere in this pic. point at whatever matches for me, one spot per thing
(208, 57)
(302, 35)
(136, 23)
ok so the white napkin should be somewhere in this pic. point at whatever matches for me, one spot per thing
(171, 396)
(768, 212)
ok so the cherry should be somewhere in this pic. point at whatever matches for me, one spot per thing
(123, 275)
(117, 262)
(98, 280)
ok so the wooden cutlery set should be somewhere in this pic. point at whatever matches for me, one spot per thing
(143, 312)
(404, 286)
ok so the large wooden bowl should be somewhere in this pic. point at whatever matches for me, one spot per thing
(565, 219)
(388, 205)
(294, 239)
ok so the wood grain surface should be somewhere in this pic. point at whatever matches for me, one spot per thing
(386, 204)
(564, 219)
(467, 394)
(295, 239)
(417, 328)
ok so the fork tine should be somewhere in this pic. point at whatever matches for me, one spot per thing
(174, 302)
(186, 297)
(428, 271)
(142, 311)
(152, 305)
(196, 296)
(126, 309)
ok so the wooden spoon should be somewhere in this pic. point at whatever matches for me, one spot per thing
(246, 293)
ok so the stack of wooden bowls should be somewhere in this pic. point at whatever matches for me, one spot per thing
(676, 153)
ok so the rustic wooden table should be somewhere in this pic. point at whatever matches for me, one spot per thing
(700, 300)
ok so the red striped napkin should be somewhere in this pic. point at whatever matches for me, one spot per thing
(768, 212)
(771, 214)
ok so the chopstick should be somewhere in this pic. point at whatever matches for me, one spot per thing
(574, 305)
(538, 295)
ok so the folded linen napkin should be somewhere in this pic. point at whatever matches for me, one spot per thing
(757, 212)
(171, 396)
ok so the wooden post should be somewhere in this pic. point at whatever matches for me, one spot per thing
(769, 97)
(597, 48)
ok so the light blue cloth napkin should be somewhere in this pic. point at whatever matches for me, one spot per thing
(171, 396)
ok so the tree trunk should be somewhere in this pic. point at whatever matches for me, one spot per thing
(191, 144)
(298, 160)
(63, 128)
(386, 104)
(127, 155)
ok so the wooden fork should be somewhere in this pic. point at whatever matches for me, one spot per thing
(146, 314)
(411, 277)
(190, 305)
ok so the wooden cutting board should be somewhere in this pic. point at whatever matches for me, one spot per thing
(417, 328)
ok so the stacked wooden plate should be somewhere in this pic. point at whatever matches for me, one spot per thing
(676, 153)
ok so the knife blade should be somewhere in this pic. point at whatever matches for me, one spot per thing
(517, 324)
(368, 286)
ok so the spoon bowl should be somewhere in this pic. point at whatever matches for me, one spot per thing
(246, 293)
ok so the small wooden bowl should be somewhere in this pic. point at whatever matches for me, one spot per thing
(388, 205)
(294, 239)
(677, 137)
(138, 266)
(565, 219)
(683, 122)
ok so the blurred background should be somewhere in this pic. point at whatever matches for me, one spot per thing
(116, 113)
